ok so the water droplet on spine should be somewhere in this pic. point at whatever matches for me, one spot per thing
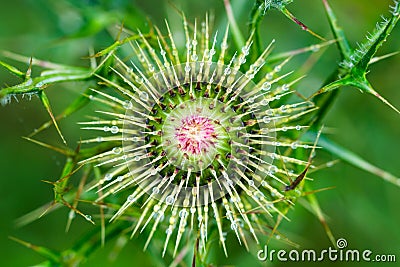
(144, 96)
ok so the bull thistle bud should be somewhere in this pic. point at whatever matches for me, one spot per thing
(205, 137)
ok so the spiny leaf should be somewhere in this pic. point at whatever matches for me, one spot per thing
(316, 209)
(60, 188)
(65, 151)
(354, 67)
(37, 84)
(358, 82)
(78, 193)
(46, 104)
(369, 48)
(76, 105)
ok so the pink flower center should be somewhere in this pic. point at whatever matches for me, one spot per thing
(196, 134)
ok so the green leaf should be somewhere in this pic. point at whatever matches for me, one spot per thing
(315, 208)
(236, 33)
(338, 32)
(352, 158)
(37, 84)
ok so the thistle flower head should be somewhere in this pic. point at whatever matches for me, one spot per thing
(205, 138)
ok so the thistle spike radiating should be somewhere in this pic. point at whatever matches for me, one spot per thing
(197, 131)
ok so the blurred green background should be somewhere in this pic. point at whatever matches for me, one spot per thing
(362, 208)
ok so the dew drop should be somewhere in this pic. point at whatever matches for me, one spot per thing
(273, 169)
(283, 108)
(187, 68)
(277, 68)
(285, 87)
(114, 129)
(245, 50)
(251, 183)
(266, 86)
(144, 96)
(140, 80)
(127, 104)
(266, 119)
(269, 112)
(298, 127)
(314, 48)
(169, 200)
(108, 177)
(155, 190)
(116, 150)
(183, 213)
(71, 214)
(294, 145)
(194, 57)
(88, 217)
(234, 226)
(269, 76)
